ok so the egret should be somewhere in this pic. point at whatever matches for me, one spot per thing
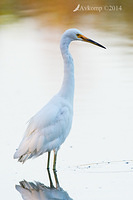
(48, 129)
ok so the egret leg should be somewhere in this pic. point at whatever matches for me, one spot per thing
(48, 162)
(55, 158)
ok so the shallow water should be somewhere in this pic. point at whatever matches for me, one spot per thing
(95, 162)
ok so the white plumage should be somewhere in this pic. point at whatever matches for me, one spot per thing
(48, 129)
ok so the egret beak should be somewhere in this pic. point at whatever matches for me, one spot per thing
(85, 39)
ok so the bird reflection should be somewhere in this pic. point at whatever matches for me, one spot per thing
(38, 191)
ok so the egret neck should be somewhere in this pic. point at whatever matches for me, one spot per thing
(67, 89)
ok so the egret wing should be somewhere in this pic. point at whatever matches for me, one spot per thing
(45, 129)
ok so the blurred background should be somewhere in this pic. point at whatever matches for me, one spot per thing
(60, 13)
(31, 72)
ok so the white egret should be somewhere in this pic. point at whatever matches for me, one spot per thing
(48, 129)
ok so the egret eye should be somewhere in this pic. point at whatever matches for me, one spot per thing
(78, 35)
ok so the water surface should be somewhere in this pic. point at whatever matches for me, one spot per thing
(96, 160)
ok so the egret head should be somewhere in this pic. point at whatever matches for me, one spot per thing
(75, 34)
